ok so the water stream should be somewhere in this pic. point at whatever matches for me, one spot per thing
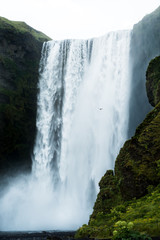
(82, 122)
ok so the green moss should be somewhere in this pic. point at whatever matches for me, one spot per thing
(153, 81)
(22, 27)
(137, 172)
(19, 115)
(132, 194)
(143, 213)
(20, 52)
(136, 164)
(108, 196)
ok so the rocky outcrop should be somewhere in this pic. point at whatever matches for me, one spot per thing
(136, 166)
(136, 177)
(145, 45)
(20, 51)
(153, 81)
(109, 194)
(136, 173)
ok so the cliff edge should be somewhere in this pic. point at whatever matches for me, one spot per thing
(20, 52)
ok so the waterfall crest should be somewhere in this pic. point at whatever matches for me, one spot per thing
(82, 122)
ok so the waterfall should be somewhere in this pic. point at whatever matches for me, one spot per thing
(82, 122)
(82, 117)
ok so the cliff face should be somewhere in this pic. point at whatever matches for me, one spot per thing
(136, 166)
(20, 51)
(137, 163)
(145, 45)
(153, 81)
(132, 191)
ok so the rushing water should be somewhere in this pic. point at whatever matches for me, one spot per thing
(82, 116)
(82, 121)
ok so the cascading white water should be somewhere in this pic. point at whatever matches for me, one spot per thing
(91, 119)
(82, 121)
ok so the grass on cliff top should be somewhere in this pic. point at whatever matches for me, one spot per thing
(22, 27)
(143, 212)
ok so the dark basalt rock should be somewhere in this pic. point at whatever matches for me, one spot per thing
(153, 81)
(145, 45)
(137, 169)
(136, 166)
(108, 195)
(137, 163)
(20, 52)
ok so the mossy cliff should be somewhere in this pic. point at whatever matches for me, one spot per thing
(153, 81)
(132, 192)
(20, 51)
(145, 45)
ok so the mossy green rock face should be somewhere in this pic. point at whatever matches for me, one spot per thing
(136, 167)
(145, 45)
(109, 194)
(153, 81)
(137, 163)
(20, 51)
(137, 172)
(132, 193)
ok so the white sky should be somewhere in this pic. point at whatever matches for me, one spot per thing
(61, 19)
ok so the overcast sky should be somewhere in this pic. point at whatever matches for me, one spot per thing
(61, 19)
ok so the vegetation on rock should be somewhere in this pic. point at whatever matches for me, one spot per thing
(145, 45)
(143, 213)
(153, 81)
(20, 51)
(23, 28)
(132, 192)
(137, 163)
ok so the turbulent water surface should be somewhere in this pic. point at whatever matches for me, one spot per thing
(82, 122)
